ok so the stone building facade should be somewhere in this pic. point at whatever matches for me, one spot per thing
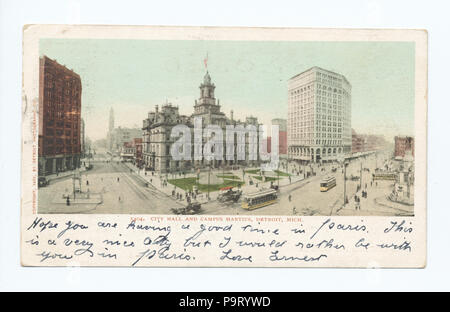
(319, 116)
(59, 118)
(158, 125)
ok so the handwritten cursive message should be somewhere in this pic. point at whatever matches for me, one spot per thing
(215, 241)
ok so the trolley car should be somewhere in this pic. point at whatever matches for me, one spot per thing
(259, 199)
(390, 176)
(327, 183)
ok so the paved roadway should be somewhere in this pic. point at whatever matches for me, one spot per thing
(306, 198)
(122, 191)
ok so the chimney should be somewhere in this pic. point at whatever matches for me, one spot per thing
(231, 114)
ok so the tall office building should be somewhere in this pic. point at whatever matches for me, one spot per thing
(319, 116)
(59, 117)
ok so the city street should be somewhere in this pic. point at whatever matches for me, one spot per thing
(121, 190)
(125, 190)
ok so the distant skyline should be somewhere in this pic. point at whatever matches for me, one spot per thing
(132, 76)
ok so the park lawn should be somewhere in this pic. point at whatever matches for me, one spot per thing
(187, 184)
(268, 179)
(281, 173)
(253, 171)
(231, 177)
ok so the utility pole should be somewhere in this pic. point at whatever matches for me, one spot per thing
(73, 183)
(278, 175)
(360, 177)
(408, 189)
(209, 173)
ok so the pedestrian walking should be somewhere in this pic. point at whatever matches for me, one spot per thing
(118, 179)
(87, 182)
(290, 197)
(294, 211)
(68, 201)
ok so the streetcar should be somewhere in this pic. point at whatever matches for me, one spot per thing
(259, 199)
(390, 176)
(327, 183)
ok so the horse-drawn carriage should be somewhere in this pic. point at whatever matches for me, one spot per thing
(192, 208)
(229, 194)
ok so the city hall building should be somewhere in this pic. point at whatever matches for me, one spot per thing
(157, 128)
(59, 118)
(319, 116)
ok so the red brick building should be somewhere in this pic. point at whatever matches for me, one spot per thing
(403, 146)
(59, 117)
(357, 142)
(137, 143)
(367, 142)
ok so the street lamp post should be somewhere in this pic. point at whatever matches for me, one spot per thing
(345, 182)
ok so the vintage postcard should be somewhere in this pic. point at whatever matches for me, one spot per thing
(223, 147)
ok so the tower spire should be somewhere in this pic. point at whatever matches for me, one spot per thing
(111, 120)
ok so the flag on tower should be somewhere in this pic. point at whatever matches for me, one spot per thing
(206, 61)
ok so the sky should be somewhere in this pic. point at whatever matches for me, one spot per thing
(132, 76)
